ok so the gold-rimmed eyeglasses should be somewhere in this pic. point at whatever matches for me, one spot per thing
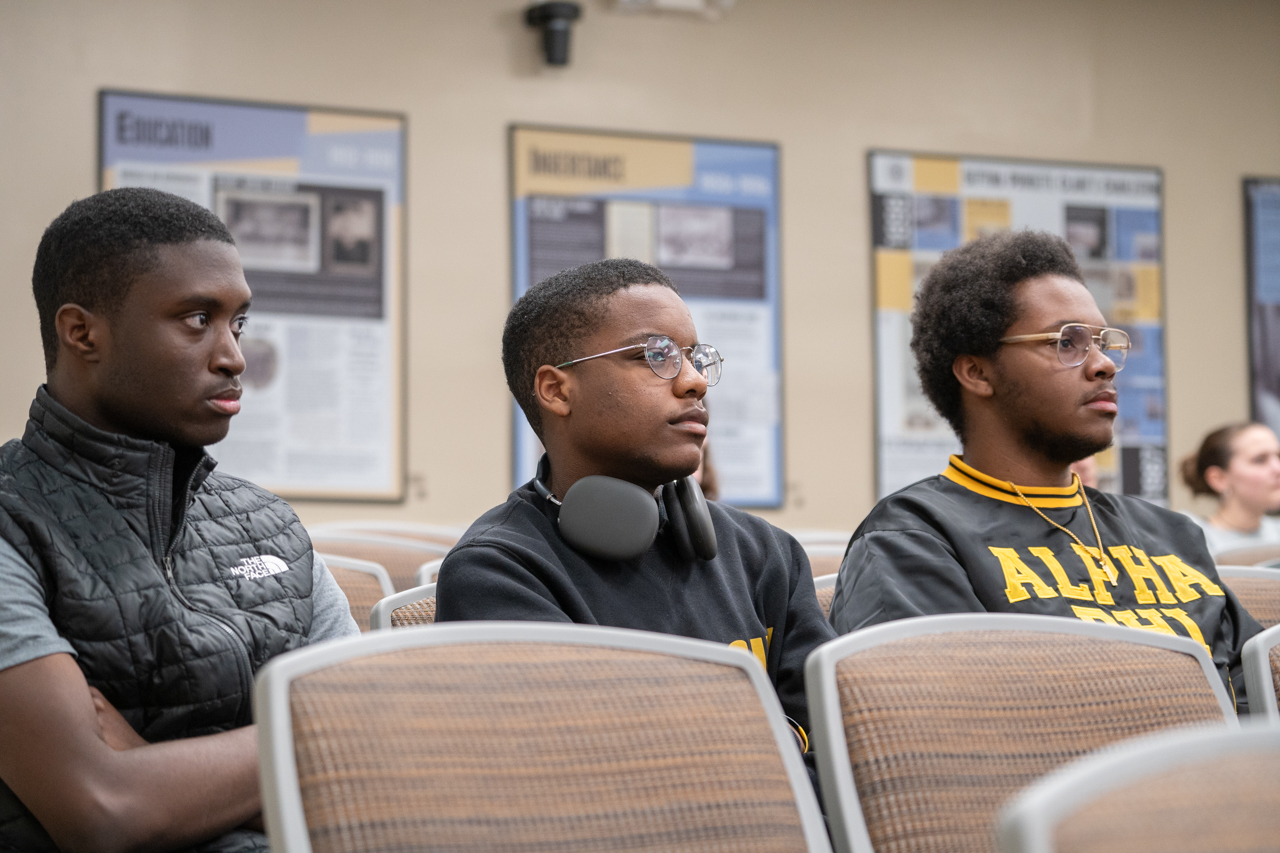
(1075, 339)
(665, 358)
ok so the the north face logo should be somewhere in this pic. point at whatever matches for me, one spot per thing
(259, 567)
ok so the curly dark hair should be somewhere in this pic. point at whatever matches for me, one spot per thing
(548, 323)
(966, 304)
(94, 250)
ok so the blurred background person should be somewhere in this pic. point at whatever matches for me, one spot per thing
(1239, 464)
(706, 474)
(1087, 470)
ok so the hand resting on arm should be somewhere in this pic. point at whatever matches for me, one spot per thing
(95, 785)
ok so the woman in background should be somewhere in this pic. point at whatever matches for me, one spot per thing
(1239, 464)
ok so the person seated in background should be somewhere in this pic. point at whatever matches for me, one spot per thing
(706, 474)
(605, 362)
(1239, 465)
(142, 590)
(1012, 350)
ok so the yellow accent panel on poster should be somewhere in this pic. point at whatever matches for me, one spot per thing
(322, 122)
(893, 279)
(936, 176)
(983, 216)
(1146, 286)
(549, 162)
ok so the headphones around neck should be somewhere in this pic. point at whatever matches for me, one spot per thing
(615, 520)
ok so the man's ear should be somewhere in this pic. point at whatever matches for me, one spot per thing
(81, 332)
(974, 374)
(553, 388)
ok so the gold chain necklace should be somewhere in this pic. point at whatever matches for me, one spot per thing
(1112, 575)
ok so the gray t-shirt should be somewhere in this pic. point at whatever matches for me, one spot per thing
(27, 632)
(1220, 539)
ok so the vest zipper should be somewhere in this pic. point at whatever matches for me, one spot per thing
(243, 664)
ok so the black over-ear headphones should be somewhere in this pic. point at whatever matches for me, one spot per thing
(615, 520)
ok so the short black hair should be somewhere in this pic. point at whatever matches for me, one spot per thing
(548, 323)
(94, 250)
(966, 304)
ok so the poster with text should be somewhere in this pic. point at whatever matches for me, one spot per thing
(924, 205)
(704, 211)
(1262, 220)
(315, 201)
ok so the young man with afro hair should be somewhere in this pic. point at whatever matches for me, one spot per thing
(142, 589)
(1012, 350)
(605, 361)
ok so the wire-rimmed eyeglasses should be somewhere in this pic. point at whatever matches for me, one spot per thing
(1075, 339)
(666, 358)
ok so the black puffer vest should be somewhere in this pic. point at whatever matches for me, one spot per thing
(170, 621)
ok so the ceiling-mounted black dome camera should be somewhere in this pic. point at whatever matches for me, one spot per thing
(554, 19)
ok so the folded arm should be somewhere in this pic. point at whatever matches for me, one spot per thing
(96, 786)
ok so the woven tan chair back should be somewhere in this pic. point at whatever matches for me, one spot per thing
(420, 612)
(1260, 596)
(400, 563)
(824, 599)
(538, 747)
(1250, 556)
(825, 564)
(362, 590)
(1229, 804)
(942, 729)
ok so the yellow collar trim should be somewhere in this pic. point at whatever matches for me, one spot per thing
(1002, 490)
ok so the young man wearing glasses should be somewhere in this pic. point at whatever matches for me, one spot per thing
(1012, 350)
(606, 364)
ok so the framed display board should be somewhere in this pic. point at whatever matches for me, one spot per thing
(706, 212)
(315, 200)
(924, 204)
(1262, 262)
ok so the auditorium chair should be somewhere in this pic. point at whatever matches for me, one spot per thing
(924, 727)
(364, 583)
(441, 534)
(807, 536)
(428, 572)
(1258, 590)
(415, 606)
(824, 559)
(400, 557)
(1255, 555)
(1200, 790)
(1261, 660)
(825, 587)
(528, 737)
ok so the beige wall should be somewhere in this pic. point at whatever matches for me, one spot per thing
(1190, 87)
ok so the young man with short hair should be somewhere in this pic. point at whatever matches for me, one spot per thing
(605, 362)
(1012, 350)
(142, 590)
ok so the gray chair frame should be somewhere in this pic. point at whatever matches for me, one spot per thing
(380, 618)
(1258, 684)
(1027, 823)
(408, 528)
(282, 800)
(807, 537)
(839, 792)
(824, 581)
(1248, 572)
(436, 549)
(367, 566)
(428, 572)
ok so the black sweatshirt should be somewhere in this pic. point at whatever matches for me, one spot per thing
(757, 593)
(964, 542)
